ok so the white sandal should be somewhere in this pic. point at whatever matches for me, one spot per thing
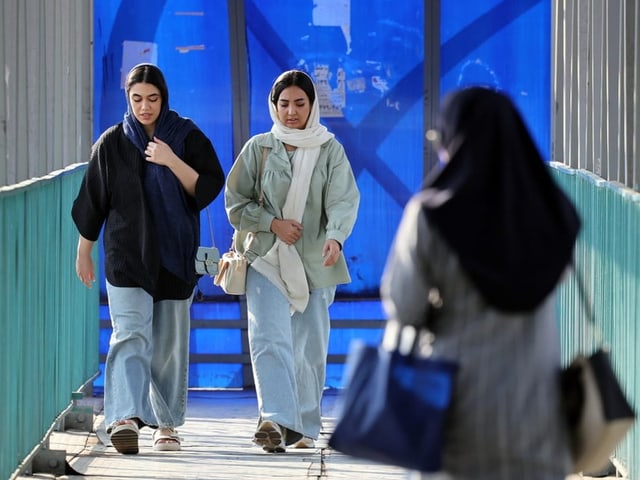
(166, 439)
(305, 442)
(271, 437)
(124, 436)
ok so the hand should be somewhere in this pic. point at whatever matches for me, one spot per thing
(159, 152)
(84, 270)
(288, 231)
(331, 252)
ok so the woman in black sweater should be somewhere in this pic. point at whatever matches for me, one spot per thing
(148, 178)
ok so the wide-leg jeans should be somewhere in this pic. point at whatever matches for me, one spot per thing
(288, 355)
(146, 371)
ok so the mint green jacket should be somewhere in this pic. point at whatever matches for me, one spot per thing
(330, 212)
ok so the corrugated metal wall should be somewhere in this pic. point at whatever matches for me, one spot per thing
(46, 88)
(596, 74)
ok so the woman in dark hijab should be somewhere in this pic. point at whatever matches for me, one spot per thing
(148, 178)
(493, 232)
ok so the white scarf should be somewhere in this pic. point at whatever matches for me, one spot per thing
(282, 264)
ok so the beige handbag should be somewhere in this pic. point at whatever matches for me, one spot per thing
(232, 272)
(596, 407)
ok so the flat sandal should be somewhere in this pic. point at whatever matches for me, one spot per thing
(124, 436)
(166, 439)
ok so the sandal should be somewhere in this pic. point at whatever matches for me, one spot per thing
(166, 439)
(124, 436)
(271, 437)
(305, 442)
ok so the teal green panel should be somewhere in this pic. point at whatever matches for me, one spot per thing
(49, 321)
(608, 254)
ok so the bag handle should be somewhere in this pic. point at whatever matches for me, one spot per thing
(222, 267)
(407, 337)
(586, 305)
(213, 241)
(261, 192)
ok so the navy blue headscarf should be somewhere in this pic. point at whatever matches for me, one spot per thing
(176, 223)
(500, 209)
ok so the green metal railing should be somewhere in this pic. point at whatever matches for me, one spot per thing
(48, 319)
(49, 322)
(608, 255)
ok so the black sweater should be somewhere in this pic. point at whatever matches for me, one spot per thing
(112, 194)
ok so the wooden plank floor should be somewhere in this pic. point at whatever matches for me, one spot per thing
(216, 446)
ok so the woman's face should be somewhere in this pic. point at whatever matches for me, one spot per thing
(293, 107)
(146, 102)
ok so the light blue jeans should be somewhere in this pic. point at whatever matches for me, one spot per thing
(146, 372)
(288, 355)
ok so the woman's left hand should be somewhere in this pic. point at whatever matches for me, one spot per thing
(330, 252)
(159, 152)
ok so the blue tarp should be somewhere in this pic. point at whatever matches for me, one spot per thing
(367, 59)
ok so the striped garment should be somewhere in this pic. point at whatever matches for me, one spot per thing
(505, 421)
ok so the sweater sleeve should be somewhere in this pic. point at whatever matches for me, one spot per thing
(91, 205)
(243, 209)
(202, 157)
(342, 197)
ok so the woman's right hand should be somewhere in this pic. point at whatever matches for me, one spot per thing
(288, 231)
(84, 269)
(84, 262)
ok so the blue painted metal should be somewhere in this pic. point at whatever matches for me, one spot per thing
(378, 49)
(368, 61)
(504, 45)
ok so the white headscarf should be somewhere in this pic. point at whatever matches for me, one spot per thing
(314, 133)
(282, 264)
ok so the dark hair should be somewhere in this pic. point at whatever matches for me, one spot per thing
(148, 73)
(293, 78)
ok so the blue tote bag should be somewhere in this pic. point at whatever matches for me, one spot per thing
(393, 407)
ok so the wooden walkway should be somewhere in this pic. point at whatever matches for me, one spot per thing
(216, 446)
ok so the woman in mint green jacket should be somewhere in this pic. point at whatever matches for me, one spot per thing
(292, 197)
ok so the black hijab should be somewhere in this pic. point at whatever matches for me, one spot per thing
(176, 222)
(496, 203)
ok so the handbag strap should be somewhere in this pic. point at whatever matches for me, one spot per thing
(261, 192)
(406, 344)
(213, 242)
(586, 304)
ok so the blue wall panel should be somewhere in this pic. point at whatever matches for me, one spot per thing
(215, 341)
(189, 41)
(367, 57)
(216, 375)
(504, 44)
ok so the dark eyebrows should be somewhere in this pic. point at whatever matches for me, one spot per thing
(295, 100)
(152, 96)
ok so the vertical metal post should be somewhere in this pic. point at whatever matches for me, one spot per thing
(431, 76)
(239, 74)
(240, 103)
